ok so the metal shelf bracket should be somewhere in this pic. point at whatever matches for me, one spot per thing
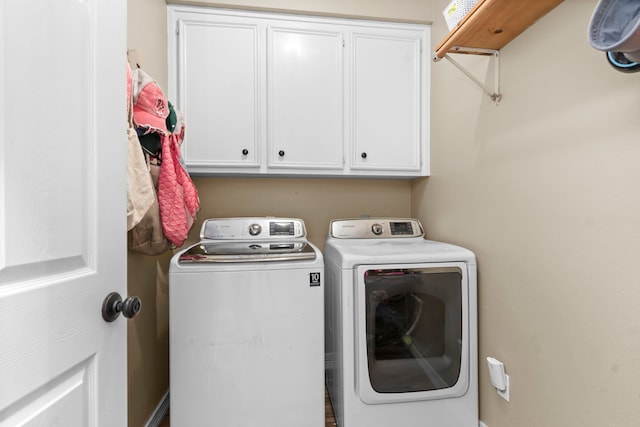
(495, 95)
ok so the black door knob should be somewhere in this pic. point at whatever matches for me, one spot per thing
(363, 155)
(245, 151)
(113, 306)
(281, 153)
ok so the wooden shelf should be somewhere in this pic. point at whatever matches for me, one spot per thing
(491, 24)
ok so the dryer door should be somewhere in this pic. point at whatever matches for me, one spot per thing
(412, 331)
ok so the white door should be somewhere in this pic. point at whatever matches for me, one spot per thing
(62, 212)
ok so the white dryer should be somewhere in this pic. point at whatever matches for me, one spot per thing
(400, 326)
(246, 326)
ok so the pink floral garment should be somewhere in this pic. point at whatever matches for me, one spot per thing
(177, 195)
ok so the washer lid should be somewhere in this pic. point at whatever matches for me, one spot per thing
(214, 252)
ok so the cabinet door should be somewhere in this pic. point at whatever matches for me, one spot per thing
(218, 71)
(305, 97)
(387, 101)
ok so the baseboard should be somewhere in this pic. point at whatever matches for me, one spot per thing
(160, 412)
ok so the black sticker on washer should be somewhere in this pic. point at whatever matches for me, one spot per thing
(314, 279)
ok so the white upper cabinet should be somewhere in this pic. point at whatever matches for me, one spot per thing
(305, 117)
(217, 77)
(277, 94)
(386, 91)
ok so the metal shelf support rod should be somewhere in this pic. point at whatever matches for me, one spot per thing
(495, 96)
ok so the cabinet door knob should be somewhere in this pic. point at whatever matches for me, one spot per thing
(245, 151)
(363, 155)
(281, 153)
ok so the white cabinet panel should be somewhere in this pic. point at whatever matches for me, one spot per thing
(386, 101)
(219, 93)
(279, 94)
(305, 93)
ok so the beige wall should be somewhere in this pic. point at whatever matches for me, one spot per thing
(544, 188)
(148, 332)
(317, 201)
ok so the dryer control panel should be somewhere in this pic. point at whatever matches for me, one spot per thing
(376, 228)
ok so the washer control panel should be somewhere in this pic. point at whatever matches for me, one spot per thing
(252, 228)
(375, 228)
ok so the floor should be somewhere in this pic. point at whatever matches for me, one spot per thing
(330, 420)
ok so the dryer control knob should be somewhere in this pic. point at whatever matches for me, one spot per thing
(255, 229)
(376, 229)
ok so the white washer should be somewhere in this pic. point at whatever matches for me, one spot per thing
(246, 326)
(400, 326)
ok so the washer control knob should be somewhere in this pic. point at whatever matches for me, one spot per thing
(376, 229)
(255, 229)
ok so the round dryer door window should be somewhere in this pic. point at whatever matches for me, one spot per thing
(411, 332)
